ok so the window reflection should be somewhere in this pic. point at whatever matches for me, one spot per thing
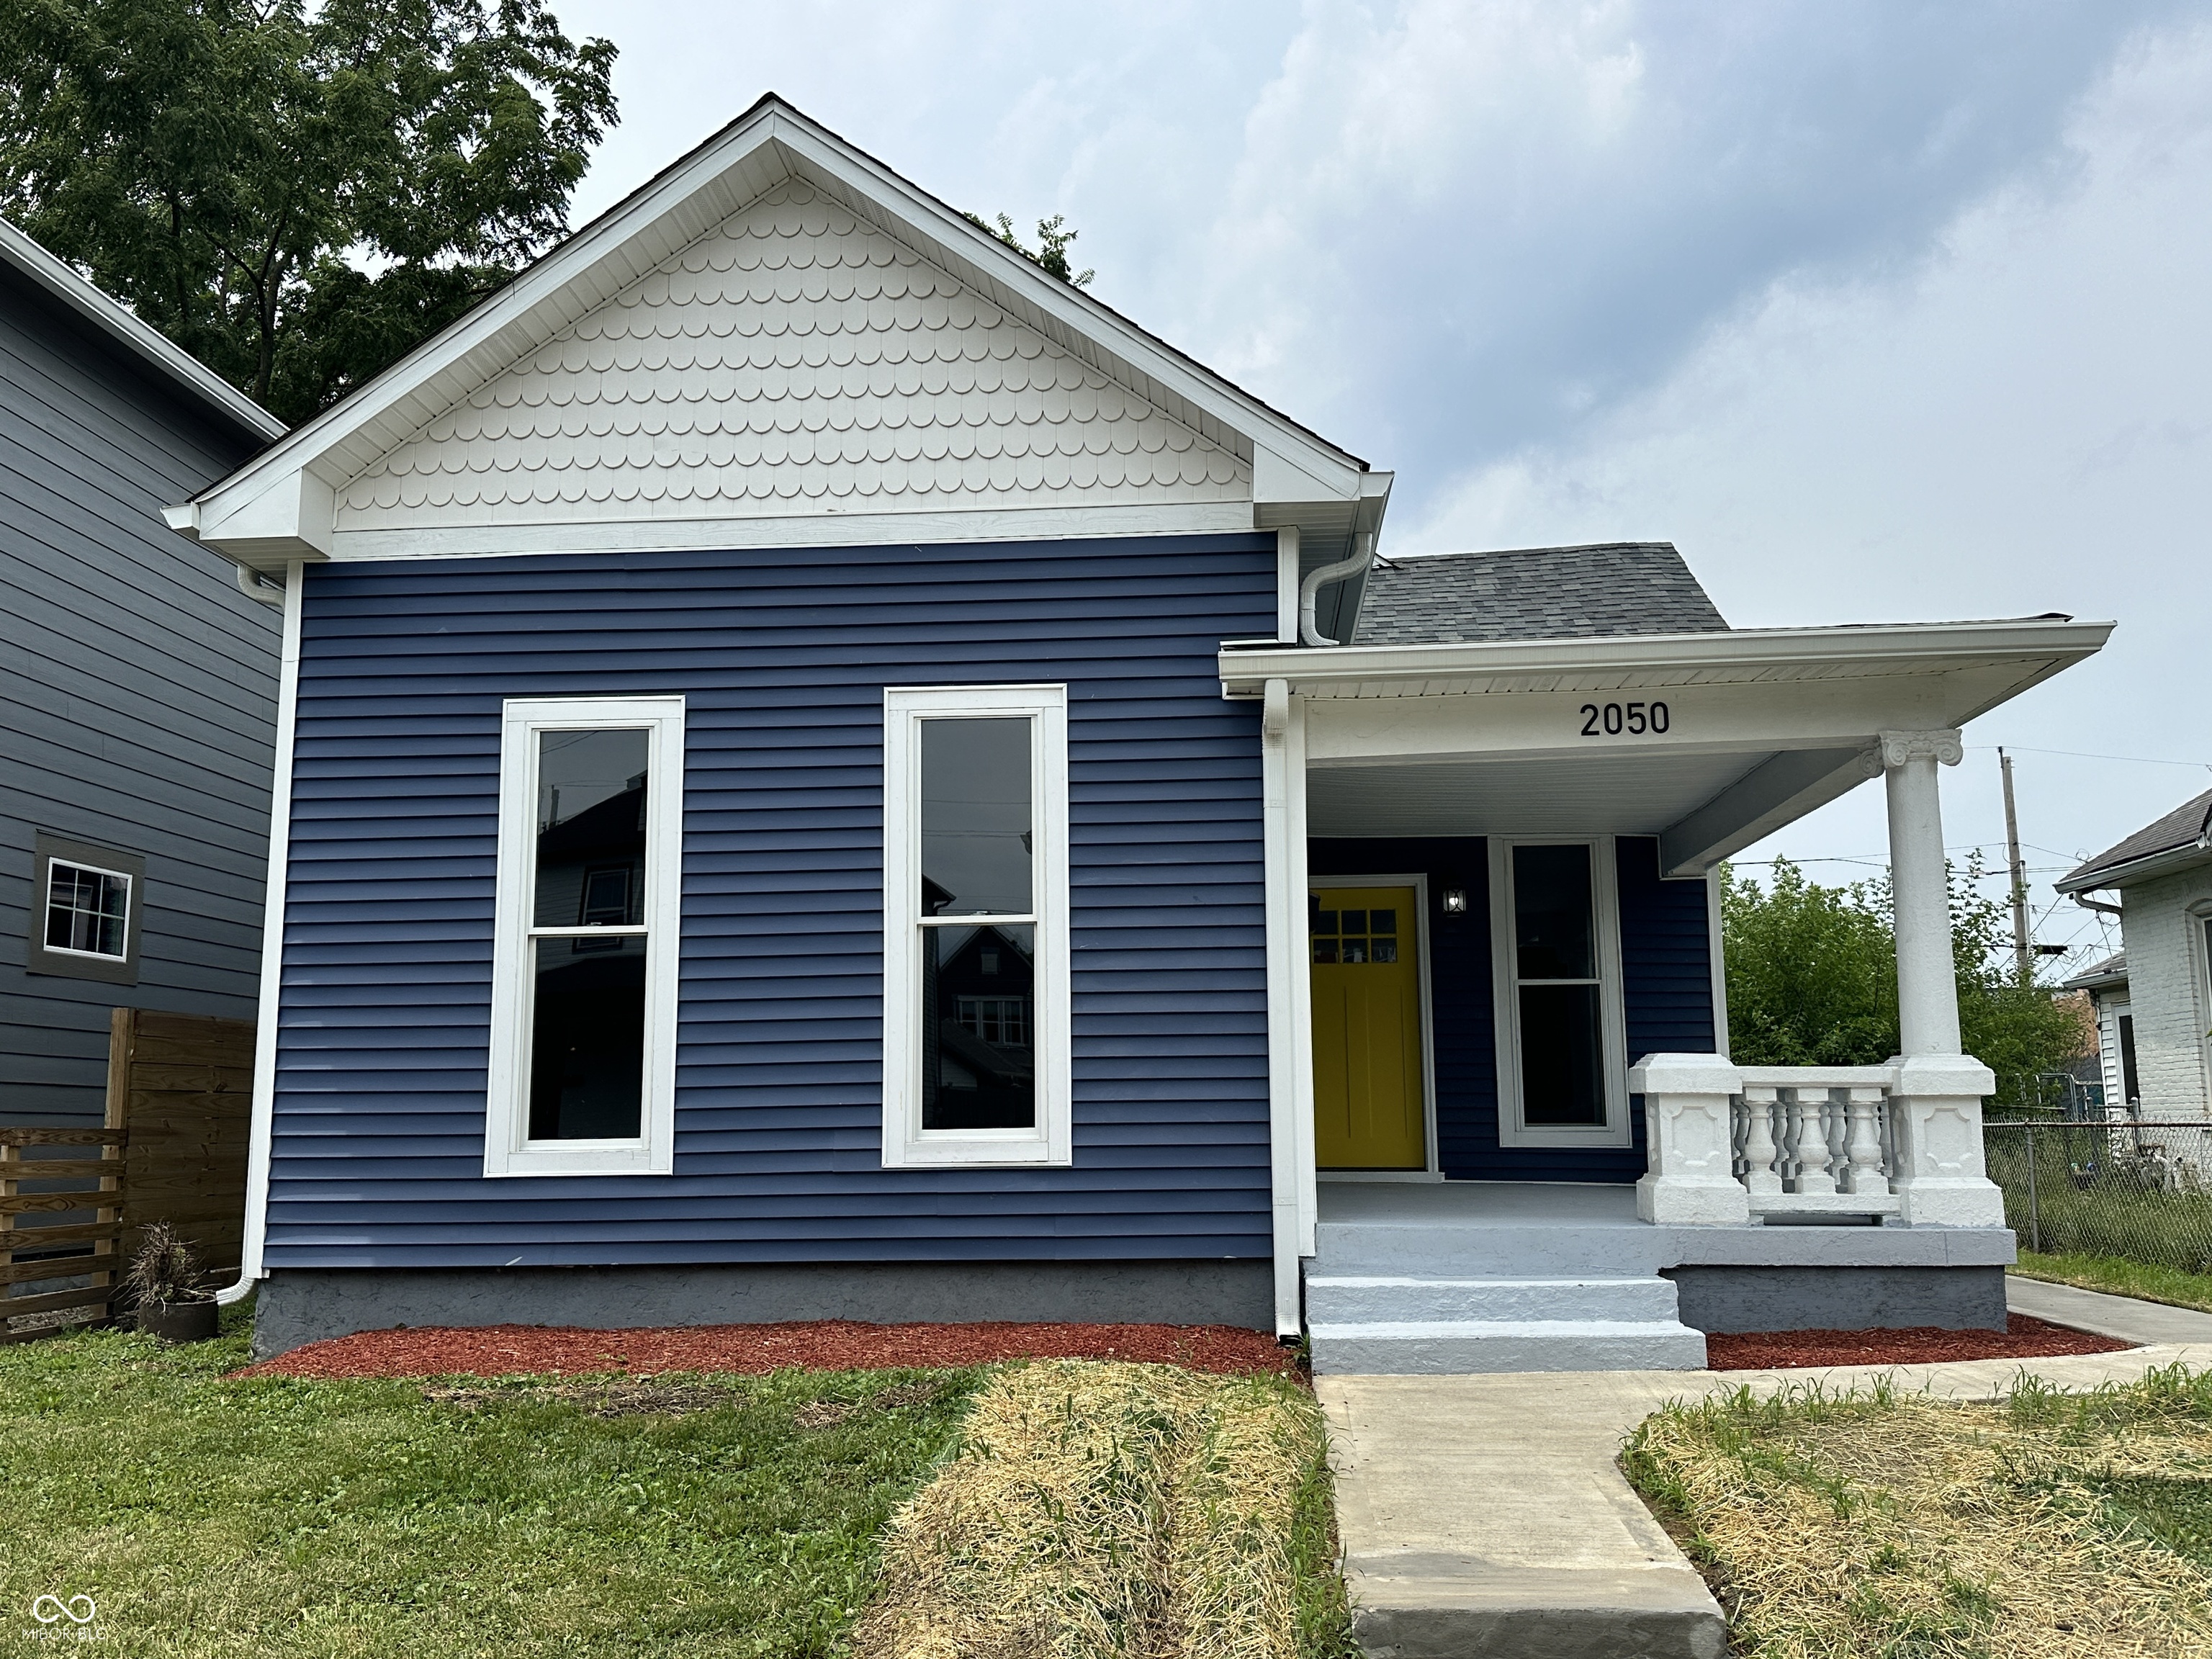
(588, 1008)
(1551, 912)
(587, 1047)
(975, 823)
(978, 1062)
(591, 828)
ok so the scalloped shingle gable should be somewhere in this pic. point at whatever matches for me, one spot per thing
(792, 360)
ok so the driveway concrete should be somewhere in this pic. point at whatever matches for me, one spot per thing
(1484, 1518)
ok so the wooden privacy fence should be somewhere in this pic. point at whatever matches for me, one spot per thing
(171, 1148)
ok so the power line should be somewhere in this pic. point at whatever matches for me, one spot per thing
(2083, 754)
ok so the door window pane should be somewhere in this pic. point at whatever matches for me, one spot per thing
(590, 821)
(1552, 911)
(1562, 1074)
(978, 1058)
(587, 1049)
(977, 841)
(88, 910)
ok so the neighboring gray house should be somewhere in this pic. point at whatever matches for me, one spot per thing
(2154, 1002)
(138, 707)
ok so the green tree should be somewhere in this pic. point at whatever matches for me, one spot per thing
(296, 191)
(1812, 977)
(1051, 251)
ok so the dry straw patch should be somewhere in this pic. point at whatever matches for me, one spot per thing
(2046, 1528)
(1104, 1509)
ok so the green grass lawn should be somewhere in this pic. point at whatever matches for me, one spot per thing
(2122, 1277)
(272, 1516)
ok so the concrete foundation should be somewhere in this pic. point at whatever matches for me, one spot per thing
(1841, 1299)
(300, 1305)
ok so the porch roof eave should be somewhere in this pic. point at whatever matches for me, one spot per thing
(1766, 725)
(1845, 651)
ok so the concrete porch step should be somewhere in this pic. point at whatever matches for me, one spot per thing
(1509, 1249)
(1445, 1347)
(1368, 1298)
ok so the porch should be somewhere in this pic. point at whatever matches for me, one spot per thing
(1677, 1193)
(1507, 1276)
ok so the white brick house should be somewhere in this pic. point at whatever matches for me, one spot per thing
(2163, 875)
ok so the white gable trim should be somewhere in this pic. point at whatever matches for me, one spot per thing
(770, 144)
(821, 530)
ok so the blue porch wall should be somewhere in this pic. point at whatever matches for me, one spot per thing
(783, 655)
(1666, 984)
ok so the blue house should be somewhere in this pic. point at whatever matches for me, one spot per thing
(824, 772)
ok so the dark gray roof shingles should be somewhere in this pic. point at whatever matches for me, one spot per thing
(2183, 827)
(1535, 593)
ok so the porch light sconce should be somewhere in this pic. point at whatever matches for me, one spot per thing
(1455, 901)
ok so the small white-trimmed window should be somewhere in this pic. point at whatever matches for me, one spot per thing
(975, 968)
(1555, 963)
(85, 911)
(584, 965)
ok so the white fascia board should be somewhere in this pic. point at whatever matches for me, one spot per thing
(1905, 647)
(736, 165)
(59, 280)
(2150, 866)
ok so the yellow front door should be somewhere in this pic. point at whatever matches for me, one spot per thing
(1367, 1030)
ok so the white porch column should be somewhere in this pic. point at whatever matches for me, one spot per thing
(1286, 965)
(1691, 1181)
(1935, 1103)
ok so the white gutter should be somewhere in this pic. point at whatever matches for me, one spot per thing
(1246, 666)
(249, 1270)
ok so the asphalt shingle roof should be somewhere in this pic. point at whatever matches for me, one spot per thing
(2187, 825)
(1535, 593)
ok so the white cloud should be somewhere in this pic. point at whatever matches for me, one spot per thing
(1885, 309)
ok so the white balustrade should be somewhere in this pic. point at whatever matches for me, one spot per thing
(1813, 1140)
(1901, 1140)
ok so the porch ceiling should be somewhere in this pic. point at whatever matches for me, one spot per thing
(1581, 795)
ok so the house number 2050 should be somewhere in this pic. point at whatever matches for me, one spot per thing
(1610, 719)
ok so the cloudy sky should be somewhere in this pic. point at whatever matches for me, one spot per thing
(1880, 311)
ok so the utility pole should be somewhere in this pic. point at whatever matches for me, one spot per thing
(2023, 948)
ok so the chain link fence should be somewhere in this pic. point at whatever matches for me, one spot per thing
(2140, 1188)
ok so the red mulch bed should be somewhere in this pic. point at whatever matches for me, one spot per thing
(819, 1344)
(1918, 1345)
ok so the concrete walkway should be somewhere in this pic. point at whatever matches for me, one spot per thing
(2122, 1316)
(1483, 1517)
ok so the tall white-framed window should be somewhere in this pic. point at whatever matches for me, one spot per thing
(975, 968)
(1555, 966)
(584, 964)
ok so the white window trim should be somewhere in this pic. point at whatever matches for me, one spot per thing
(1617, 1130)
(119, 959)
(507, 1149)
(907, 1144)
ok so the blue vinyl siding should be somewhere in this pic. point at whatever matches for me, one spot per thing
(782, 657)
(1666, 994)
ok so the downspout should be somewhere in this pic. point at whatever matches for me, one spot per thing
(255, 586)
(272, 950)
(1362, 555)
(2098, 905)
